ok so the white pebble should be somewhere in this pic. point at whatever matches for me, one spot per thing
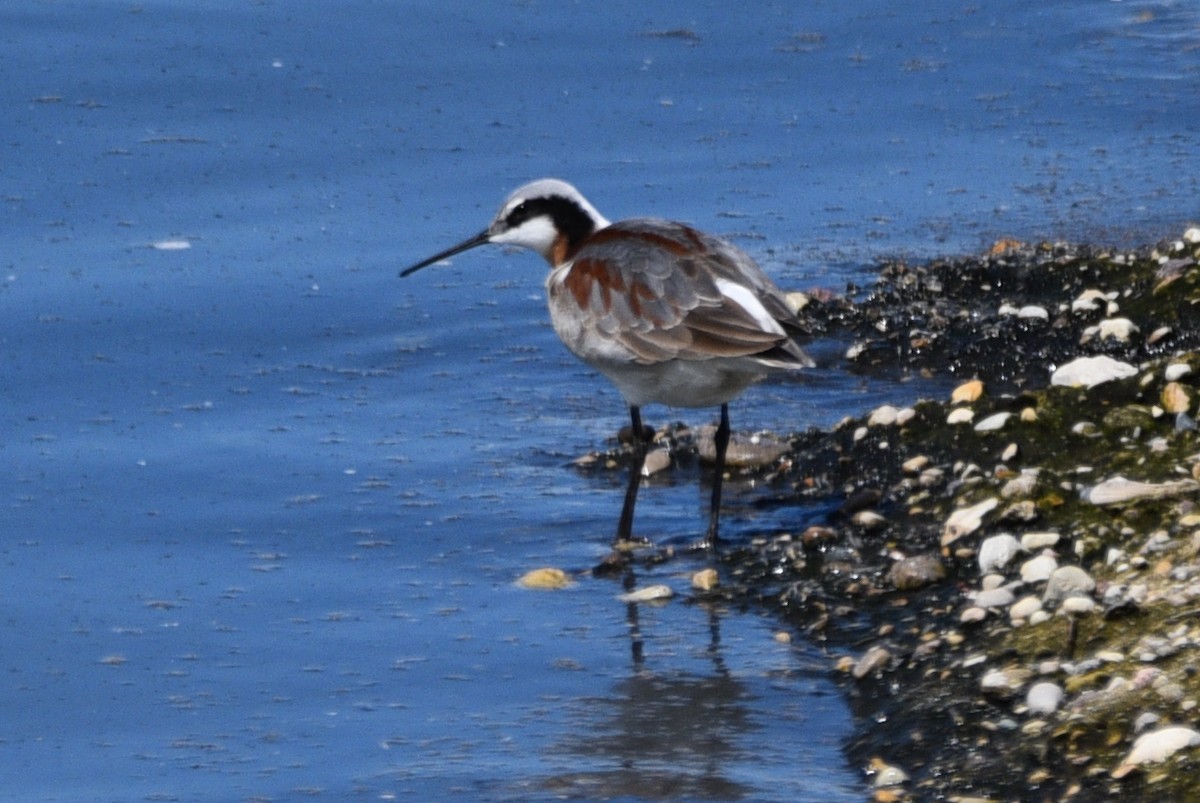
(1067, 581)
(875, 658)
(1088, 301)
(1024, 608)
(973, 614)
(1145, 720)
(883, 416)
(890, 776)
(966, 520)
(1002, 680)
(1021, 485)
(1044, 697)
(1039, 540)
(993, 422)
(1033, 311)
(1157, 746)
(1118, 490)
(996, 552)
(1177, 370)
(1119, 329)
(1091, 371)
(960, 415)
(1078, 605)
(991, 581)
(1035, 570)
(995, 598)
(648, 594)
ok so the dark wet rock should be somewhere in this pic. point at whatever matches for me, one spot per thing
(744, 451)
(915, 572)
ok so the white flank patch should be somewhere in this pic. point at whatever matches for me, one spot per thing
(747, 301)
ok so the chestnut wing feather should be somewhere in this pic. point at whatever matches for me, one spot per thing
(652, 286)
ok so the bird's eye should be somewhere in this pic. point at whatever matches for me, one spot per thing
(519, 214)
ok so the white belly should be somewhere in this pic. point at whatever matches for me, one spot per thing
(681, 383)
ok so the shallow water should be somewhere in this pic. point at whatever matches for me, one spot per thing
(267, 501)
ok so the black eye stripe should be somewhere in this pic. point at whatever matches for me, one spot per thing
(567, 216)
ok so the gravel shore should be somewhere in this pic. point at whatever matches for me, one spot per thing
(1009, 580)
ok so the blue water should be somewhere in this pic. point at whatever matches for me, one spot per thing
(266, 502)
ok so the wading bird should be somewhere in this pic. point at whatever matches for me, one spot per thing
(669, 314)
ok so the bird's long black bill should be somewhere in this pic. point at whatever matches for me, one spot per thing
(465, 245)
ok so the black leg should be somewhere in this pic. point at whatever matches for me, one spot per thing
(625, 525)
(722, 443)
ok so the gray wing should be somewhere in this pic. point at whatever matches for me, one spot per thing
(664, 291)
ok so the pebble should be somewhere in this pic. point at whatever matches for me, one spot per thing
(868, 520)
(1035, 570)
(1088, 301)
(1156, 747)
(1157, 335)
(996, 552)
(1176, 371)
(875, 658)
(1118, 490)
(1024, 608)
(1192, 235)
(1003, 682)
(796, 300)
(994, 598)
(915, 572)
(1067, 581)
(1039, 540)
(960, 415)
(545, 579)
(1091, 371)
(915, 465)
(1033, 311)
(743, 452)
(887, 775)
(705, 580)
(993, 422)
(905, 415)
(1044, 697)
(1119, 329)
(648, 594)
(991, 581)
(883, 416)
(1010, 451)
(1078, 606)
(973, 614)
(1022, 485)
(967, 392)
(966, 520)
(1144, 721)
(1175, 398)
(656, 461)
